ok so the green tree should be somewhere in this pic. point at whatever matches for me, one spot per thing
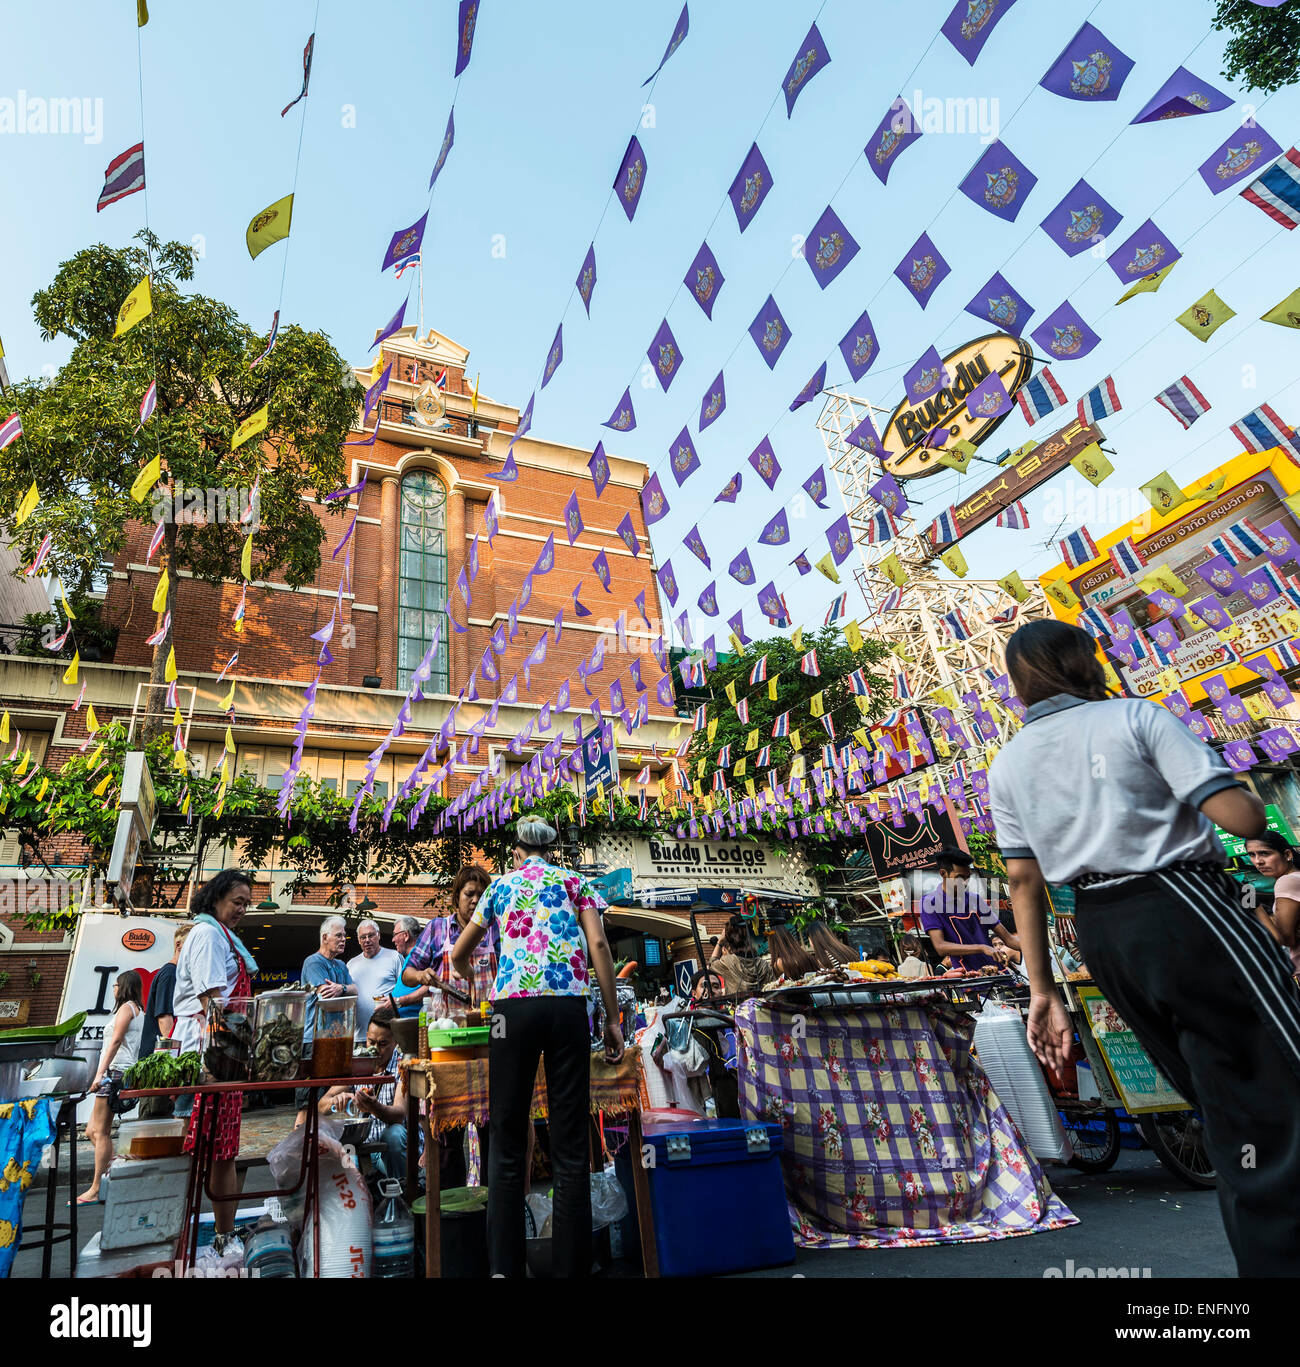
(1264, 50)
(84, 446)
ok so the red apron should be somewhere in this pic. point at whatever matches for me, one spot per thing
(228, 1107)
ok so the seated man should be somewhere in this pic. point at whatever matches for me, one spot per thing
(961, 922)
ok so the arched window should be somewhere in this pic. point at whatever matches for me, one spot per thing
(422, 579)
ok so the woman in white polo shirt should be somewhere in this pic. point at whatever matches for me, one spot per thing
(1117, 798)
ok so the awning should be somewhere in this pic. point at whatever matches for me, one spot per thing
(650, 921)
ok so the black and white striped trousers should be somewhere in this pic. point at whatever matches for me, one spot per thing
(1210, 996)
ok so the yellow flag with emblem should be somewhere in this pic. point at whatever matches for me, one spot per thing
(1092, 464)
(751, 740)
(730, 691)
(159, 602)
(749, 786)
(25, 505)
(1061, 592)
(146, 479)
(250, 427)
(1287, 313)
(676, 731)
(271, 225)
(136, 307)
(771, 688)
(92, 721)
(941, 747)
(864, 740)
(955, 561)
(1258, 705)
(712, 728)
(1163, 493)
(736, 647)
(1162, 577)
(1014, 586)
(1112, 679)
(1215, 486)
(169, 673)
(853, 636)
(795, 741)
(246, 558)
(892, 570)
(817, 704)
(739, 767)
(797, 639)
(70, 674)
(1148, 284)
(826, 565)
(956, 455)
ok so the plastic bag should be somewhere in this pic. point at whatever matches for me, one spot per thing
(608, 1199)
(345, 1207)
(537, 1216)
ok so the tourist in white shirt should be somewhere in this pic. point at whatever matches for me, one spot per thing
(375, 971)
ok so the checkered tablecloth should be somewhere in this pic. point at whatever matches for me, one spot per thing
(892, 1132)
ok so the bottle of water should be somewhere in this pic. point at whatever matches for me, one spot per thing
(392, 1235)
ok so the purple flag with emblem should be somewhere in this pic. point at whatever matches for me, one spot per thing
(764, 460)
(376, 389)
(708, 600)
(926, 378)
(572, 518)
(405, 243)
(1065, 335)
(601, 565)
(828, 248)
(969, 24)
(630, 180)
(728, 492)
(448, 138)
(865, 437)
(999, 182)
(1246, 153)
(889, 494)
(680, 30)
(770, 332)
(811, 58)
(627, 533)
(466, 19)
(811, 390)
(1090, 68)
(859, 348)
(989, 399)
(777, 531)
(665, 356)
(741, 570)
(815, 486)
(599, 467)
(694, 543)
(682, 458)
(395, 322)
(750, 188)
(1182, 94)
(554, 356)
(704, 279)
(921, 269)
(1147, 251)
(653, 502)
(737, 624)
(1080, 219)
(897, 131)
(586, 281)
(800, 562)
(999, 304)
(714, 402)
(668, 581)
(771, 602)
(623, 418)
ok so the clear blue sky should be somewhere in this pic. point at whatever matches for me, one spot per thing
(543, 115)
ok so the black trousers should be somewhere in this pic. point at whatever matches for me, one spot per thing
(1211, 998)
(554, 1028)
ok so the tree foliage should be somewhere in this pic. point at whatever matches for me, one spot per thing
(1264, 50)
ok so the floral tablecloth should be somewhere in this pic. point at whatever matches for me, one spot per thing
(892, 1132)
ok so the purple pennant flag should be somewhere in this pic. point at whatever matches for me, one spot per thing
(1182, 94)
(630, 180)
(466, 19)
(865, 438)
(704, 279)
(616, 700)
(968, 27)
(897, 130)
(859, 347)
(1082, 218)
(989, 399)
(770, 332)
(1090, 68)
(811, 390)
(664, 689)
(599, 467)
(815, 486)
(828, 248)
(683, 625)
(405, 243)
(1281, 544)
(926, 378)
(728, 492)
(586, 281)
(999, 304)
(601, 565)
(623, 418)
(578, 609)
(889, 494)
(562, 697)
(682, 458)
(737, 624)
(668, 581)
(376, 389)
(1065, 335)
(811, 58)
(680, 30)
(708, 600)
(509, 471)
(544, 564)
(525, 420)
(713, 402)
(764, 460)
(573, 525)
(769, 600)
(1220, 574)
(554, 356)
(750, 188)
(840, 539)
(741, 570)
(695, 544)
(777, 531)
(1147, 251)
(639, 600)
(665, 356)
(999, 182)
(1261, 590)
(922, 269)
(1239, 755)
(490, 517)
(627, 532)
(398, 320)
(653, 501)
(1246, 153)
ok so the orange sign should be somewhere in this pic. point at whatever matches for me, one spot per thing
(139, 939)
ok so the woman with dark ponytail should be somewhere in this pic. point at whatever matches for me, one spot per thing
(1275, 857)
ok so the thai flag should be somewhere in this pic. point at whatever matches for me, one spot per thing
(228, 666)
(781, 726)
(409, 264)
(891, 601)
(270, 342)
(155, 541)
(1262, 429)
(1094, 623)
(723, 760)
(758, 674)
(10, 430)
(809, 665)
(1099, 402)
(42, 552)
(1127, 559)
(880, 527)
(902, 690)
(1184, 401)
(1006, 615)
(837, 609)
(1286, 655)
(742, 711)
(161, 634)
(785, 619)
(828, 724)
(955, 625)
(944, 527)
(149, 402)
(1242, 541)
(858, 683)
(1277, 191)
(701, 717)
(1040, 397)
(1078, 548)
(441, 381)
(761, 759)
(124, 176)
(1015, 516)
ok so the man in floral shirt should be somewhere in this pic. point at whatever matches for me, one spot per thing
(551, 943)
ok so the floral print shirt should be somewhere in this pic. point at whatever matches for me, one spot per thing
(543, 952)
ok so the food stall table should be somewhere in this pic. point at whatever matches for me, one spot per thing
(456, 1094)
(206, 1095)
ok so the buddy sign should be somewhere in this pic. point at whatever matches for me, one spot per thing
(965, 369)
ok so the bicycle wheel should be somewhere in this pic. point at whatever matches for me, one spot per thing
(1177, 1138)
(1095, 1138)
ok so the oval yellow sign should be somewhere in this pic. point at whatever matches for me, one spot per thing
(966, 369)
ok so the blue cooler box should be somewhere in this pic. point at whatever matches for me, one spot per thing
(717, 1196)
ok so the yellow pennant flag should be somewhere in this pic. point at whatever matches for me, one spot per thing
(739, 767)
(864, 740)
(1162, 577)
(25, 505)
(941, 747)
(817, 704)
(92, 721)
(271, 225)
(102, 786)
(771, 688)
(749, 786)
(473, 397)
(892, 570)
(827, 566)
(22, 763)
(736, 647)
(159, 603)
(45, 783)
(1287, 313)
(1209, 490)
(229, 700)
(712, 729)
(1162, 493)
(1092, 464)
(246, 558)
(730, 691)
(1169, 681)
(1061, 592)
(1013, 585)
(169, 673)
(751, 740)
(141, 13)
(955, 561)
(250, 427)
(146, 479)
(93, 762)
(177, 719)
(70, 674)
(795, 741)
(853, 636)
(1206, 316)
(67, 607)
(956, 455)
(136, 307)
(185, 805)
(1257, 704)
(4, 727)
(797, 639)
(1148, 284)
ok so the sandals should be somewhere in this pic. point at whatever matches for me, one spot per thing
(90, 1200)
